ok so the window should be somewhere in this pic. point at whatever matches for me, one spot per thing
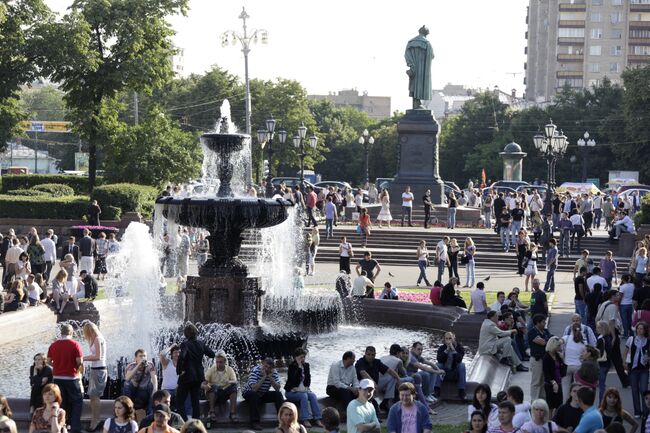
(596, 33)
(596, 17)
(596, 2)
(571, 82)
(594, 83)
(595, 50)
(594, 67)
(564, 32)
(641, 50)
(617, 2)
(640, 33)
(613, 67)
(616, 50)
(616, 17)
(572, 16)
(617, 34)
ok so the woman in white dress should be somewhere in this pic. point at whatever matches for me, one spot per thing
(384, 213)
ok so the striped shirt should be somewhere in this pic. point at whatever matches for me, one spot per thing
(255, 376)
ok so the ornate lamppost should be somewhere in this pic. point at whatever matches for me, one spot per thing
(366, 140)
(265, 136)
(299, 143)
(584, 144)
(552, 145)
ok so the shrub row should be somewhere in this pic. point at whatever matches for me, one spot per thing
(54, 189)
(128, 197)
(27, 181)
(47, 207)
(28, 193)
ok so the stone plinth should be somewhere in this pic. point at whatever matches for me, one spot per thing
(417, 165)
(87, 311)
(234, 300)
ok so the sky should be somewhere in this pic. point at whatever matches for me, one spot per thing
(334, 45)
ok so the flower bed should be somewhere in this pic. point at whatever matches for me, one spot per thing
(409, 296)
(77, 231)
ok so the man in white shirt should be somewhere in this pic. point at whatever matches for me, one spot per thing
(598, 209)
(624, 225)
(407, 205)
(596, 278)
(50, 253)
(478, 300)
(362, 286)
(342, 380)
(11, 258)
(498, 304)
(442, 258)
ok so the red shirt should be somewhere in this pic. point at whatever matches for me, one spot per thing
(434, 295)
(311, 199)
(64, 354)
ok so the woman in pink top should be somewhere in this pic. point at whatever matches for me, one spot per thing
(643, 314)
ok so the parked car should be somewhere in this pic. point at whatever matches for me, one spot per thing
(640, 192)
(334, 183)
(291, 182)
(383, 182)
(624, 188)
(541, 189)
(514, 184)
(506, 190)
(451, 185)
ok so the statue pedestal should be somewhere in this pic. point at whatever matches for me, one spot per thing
(234, 300)
(417, 165)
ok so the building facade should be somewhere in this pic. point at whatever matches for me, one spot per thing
(577, 43)
(377, 107)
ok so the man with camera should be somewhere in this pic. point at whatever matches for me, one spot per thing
(141, 381)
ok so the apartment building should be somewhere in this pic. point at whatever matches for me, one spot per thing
(579, 42)
(377, 107)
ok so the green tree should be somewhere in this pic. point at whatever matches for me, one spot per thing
(43, 103)
(153, 152)
(104, 47)
(20, 22)
(636, 111)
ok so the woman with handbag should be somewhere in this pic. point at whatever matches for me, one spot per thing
(364, 226)
(452, 254)
(637, 348)
(468, 260)
(523, 241)
(423, 262)
(530, 261)
(554, 369)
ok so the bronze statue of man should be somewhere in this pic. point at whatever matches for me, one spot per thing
(418, 55)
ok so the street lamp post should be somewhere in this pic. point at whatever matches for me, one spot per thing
(552, 145)
(584, 144)
(366, 140)
(245, 40)
(299, 143)
(265, 137)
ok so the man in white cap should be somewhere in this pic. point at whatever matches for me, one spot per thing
(361, 415)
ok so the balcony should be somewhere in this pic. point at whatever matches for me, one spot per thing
(638, 58)
(570, 57)
(569, 74)
(573, 7)
(640, 7)
(639, 24)
(575, 24)
(638, 41)
(571, 41)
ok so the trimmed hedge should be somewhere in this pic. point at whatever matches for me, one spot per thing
(28, 181)
(28, 193)
(110, 213)
(54, 189)
(43, 207)
(129, 197)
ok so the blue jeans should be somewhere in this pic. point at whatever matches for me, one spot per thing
(451, 218)
(487, 216)
(550, 279)
(428, 381)
(422, 264)
(639, 384)
(581, 308)
(457, 374)
(602, 376)
(504, 233)
(329, 228)
(441, 269)
(72, 401)
(305, 401)
(141, 397)
(514, 229)
(407, 211)
(565, 242)
(556, 220)
(626, 318)
(598, 214)
(470, 272)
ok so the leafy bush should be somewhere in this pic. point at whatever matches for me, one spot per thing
(110, 213)
(55, 189)
(28, 181)
(28, 193)
(129, 197)
(643, 217)
(45, 207)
